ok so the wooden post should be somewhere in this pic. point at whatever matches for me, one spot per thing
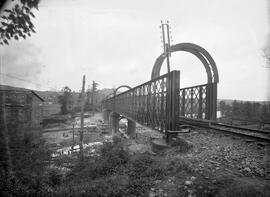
(72, 137)
(82, 117)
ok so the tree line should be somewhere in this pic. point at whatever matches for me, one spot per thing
(68, 100)
(253, 111)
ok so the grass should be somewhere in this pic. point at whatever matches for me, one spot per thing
(116, 173)
(113, 173)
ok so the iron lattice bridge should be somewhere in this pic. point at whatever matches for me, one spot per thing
(159, 103)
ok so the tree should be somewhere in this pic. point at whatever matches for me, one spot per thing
(222, 107)
(14, 23)
(236, 108)
(17, 21)
(65, 100)
(266, 54)
(265, 114)
(247, 110)
(256, 110)
(94, 89)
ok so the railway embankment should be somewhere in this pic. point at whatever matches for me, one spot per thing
(199, 162)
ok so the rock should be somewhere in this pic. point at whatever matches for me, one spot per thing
(159, 145)
(250, 141)
(138, 148)
(188, 182)
(184, 131)
(156, 182)
(261, 145)
(247, 169)
(192, 178)
(201, 165)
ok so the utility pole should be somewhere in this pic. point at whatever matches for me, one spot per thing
(82, 117)
(166, 42)
(94, 89)
(72, 137)
(88, 94)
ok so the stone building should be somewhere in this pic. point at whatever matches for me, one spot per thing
(21, 112)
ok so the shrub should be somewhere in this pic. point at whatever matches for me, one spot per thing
(145, 165)
(179, 165)
(138, 187)
(181, 145)
(112, 158)
(54, 177)
(140, 164)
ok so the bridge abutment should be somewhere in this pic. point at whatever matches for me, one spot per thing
(106, 115)
(114, 121)
(131, 128)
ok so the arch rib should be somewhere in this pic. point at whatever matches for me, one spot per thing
(199, 52)
(122, 86)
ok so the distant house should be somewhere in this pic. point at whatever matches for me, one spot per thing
(22, 112)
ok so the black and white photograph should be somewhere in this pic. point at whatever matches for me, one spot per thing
(125, 98)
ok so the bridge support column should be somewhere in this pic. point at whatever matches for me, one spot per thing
(106, 115)
(114, 121)
(131, 128)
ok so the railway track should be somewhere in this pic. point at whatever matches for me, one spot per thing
(240, 131)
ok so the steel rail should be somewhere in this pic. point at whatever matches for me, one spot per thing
(243, 128)
(240, 131)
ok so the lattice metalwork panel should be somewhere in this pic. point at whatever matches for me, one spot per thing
(193, 101)
(148, 104)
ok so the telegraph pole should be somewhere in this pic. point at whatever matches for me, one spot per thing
(166, 41)
(82, 117)
(94, 88)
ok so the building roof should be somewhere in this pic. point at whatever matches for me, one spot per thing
(37, 96)
(19, 90)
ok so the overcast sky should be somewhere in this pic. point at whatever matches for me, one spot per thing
(117, 42)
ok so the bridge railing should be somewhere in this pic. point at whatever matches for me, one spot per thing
(154, 103)
(199, 102)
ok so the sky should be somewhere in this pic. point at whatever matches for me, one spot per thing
(117, 42)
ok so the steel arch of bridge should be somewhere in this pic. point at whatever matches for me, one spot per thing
(122, 86)
(199, 52)
(198, 102)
